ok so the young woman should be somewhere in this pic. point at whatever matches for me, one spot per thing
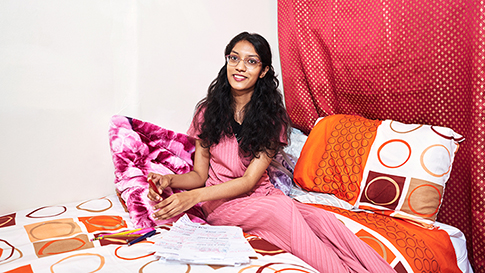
(239, 127)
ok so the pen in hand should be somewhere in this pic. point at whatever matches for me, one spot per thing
(154, 187)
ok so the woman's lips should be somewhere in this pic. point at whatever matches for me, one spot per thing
(238, 78)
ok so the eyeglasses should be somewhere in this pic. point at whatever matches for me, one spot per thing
(250, 63)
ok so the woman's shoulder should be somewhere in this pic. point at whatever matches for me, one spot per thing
(197, 120)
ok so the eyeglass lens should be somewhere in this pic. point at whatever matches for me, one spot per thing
(250, 63)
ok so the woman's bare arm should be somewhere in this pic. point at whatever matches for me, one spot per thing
(191, 180)
(180, 202)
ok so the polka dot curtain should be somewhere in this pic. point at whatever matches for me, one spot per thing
(410, 61)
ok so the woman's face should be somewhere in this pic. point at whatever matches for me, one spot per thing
(241, 78)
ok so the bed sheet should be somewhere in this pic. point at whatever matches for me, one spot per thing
(374, 229)
(59, 239)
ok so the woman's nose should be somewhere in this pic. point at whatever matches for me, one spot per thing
(241, 66)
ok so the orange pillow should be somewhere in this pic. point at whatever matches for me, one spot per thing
(334, 156)
(385, 166)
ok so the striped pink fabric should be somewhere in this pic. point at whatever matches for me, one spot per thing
(225, 164)
(312, 234)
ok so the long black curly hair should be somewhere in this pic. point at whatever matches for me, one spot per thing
(265, 116)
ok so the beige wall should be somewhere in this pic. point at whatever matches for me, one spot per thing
(67, 66)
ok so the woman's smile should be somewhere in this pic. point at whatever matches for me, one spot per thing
(239, 78)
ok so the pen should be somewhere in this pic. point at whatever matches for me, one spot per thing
(124, 232)
(145, 230)
(130, 233)
(143, 237)
(119, 236)
(115, 236)
(154, 187)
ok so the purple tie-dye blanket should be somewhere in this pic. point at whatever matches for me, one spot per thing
(139, 148)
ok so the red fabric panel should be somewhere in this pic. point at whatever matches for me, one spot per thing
(418, 62)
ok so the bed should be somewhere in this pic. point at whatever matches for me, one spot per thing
(378, 208)
(58, 239)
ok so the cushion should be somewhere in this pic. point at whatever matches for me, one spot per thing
(384, 166)
(280, 171)
(138, 148)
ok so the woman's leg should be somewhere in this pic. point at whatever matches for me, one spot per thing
(279, 220)
(352, 250)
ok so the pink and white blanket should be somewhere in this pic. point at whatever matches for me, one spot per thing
(139, 148)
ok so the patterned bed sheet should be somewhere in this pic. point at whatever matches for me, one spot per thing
(406, 247)
(59, 239)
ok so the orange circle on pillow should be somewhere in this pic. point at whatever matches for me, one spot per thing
(424, 214)
(390, 141)
(392, 182)
(424, 166)
(405, 132)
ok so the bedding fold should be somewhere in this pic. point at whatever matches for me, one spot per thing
(138, 148)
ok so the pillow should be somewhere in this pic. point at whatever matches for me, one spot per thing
(138, 148)
(295, 143)
(280, 171)
(334, 155)
(385, 166)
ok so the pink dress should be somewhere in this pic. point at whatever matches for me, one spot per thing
(312, 234)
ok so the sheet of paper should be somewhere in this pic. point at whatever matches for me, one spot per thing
(189, 242)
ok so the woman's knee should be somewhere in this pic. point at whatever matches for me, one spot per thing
(275, 207)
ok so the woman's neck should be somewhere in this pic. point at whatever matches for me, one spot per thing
(240, 101)
(241, 98)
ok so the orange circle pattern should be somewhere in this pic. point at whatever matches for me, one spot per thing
(134, 258)
(11, 252)
(411, 198)
(422, 260)
(101, 260)
(42, 250)
(424, 165)
(339, 170)
(390, 141)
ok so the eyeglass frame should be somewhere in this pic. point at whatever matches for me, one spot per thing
(244, 61)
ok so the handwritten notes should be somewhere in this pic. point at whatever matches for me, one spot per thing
(193, 243)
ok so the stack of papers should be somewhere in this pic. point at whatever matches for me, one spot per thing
(194, 243)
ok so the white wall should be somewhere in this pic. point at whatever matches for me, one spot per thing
(67, 66)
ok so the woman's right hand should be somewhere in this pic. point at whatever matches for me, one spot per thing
(161, 182)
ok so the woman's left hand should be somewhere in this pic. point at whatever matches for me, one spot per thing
(175, 204)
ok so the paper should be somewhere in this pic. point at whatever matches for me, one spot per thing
(193, 243)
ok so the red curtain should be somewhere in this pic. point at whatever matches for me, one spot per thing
(411, 61)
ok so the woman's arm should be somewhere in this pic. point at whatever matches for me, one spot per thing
(191, 180)
(180, 202)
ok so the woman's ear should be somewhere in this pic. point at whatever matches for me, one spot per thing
(263, 72)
